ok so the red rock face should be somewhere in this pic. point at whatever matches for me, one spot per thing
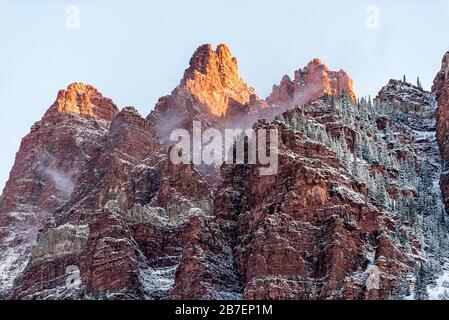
(85, 100)
(105, 198)
(50, 156)
(48, 165)
(310, 84)
(213, 92)
(210, 91)
(441, 90)
(145, 225)
(306, 232)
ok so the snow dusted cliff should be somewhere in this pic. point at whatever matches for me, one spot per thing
(355, 210)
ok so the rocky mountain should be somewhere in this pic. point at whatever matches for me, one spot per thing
(356, 191)
(310, 84)
(354, 210)
(47, 167)
(211, 91)
(127, 191)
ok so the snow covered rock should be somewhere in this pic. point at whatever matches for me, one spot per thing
(353, 212)
(46, 170)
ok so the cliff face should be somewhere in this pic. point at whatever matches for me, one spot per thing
(126, 192)
(339, 206)
(441, 90)
(308, 232)
(352, 211)
(47, 168)
(50, 156)
(214, 80)
(411, 123)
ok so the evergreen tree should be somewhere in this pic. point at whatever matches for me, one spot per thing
(421, 284)
(294, 123)
(380, 192)
(355, 169)
(408, 173)
(418, 83)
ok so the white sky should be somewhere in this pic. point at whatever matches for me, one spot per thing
(136, 51)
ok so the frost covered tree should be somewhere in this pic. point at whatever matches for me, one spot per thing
(421, 284)
(355, 171)
(380, 192)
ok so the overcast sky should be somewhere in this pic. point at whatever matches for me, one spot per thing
(136, 51)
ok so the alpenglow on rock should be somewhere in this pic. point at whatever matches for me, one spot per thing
(210, 91)
(310, 84)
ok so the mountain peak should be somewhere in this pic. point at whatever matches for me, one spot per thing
(201, 59)
(316, 62)
(210, 89)
(216, 67)
(445, 65)
(310, 84)
(441, 78)
(406, 97)
(206, 60)
(214, 81)
(84, 100)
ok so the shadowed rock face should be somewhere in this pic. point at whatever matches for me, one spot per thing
(127, 226)
(307, 232)
(406, 97)
(441, 90)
